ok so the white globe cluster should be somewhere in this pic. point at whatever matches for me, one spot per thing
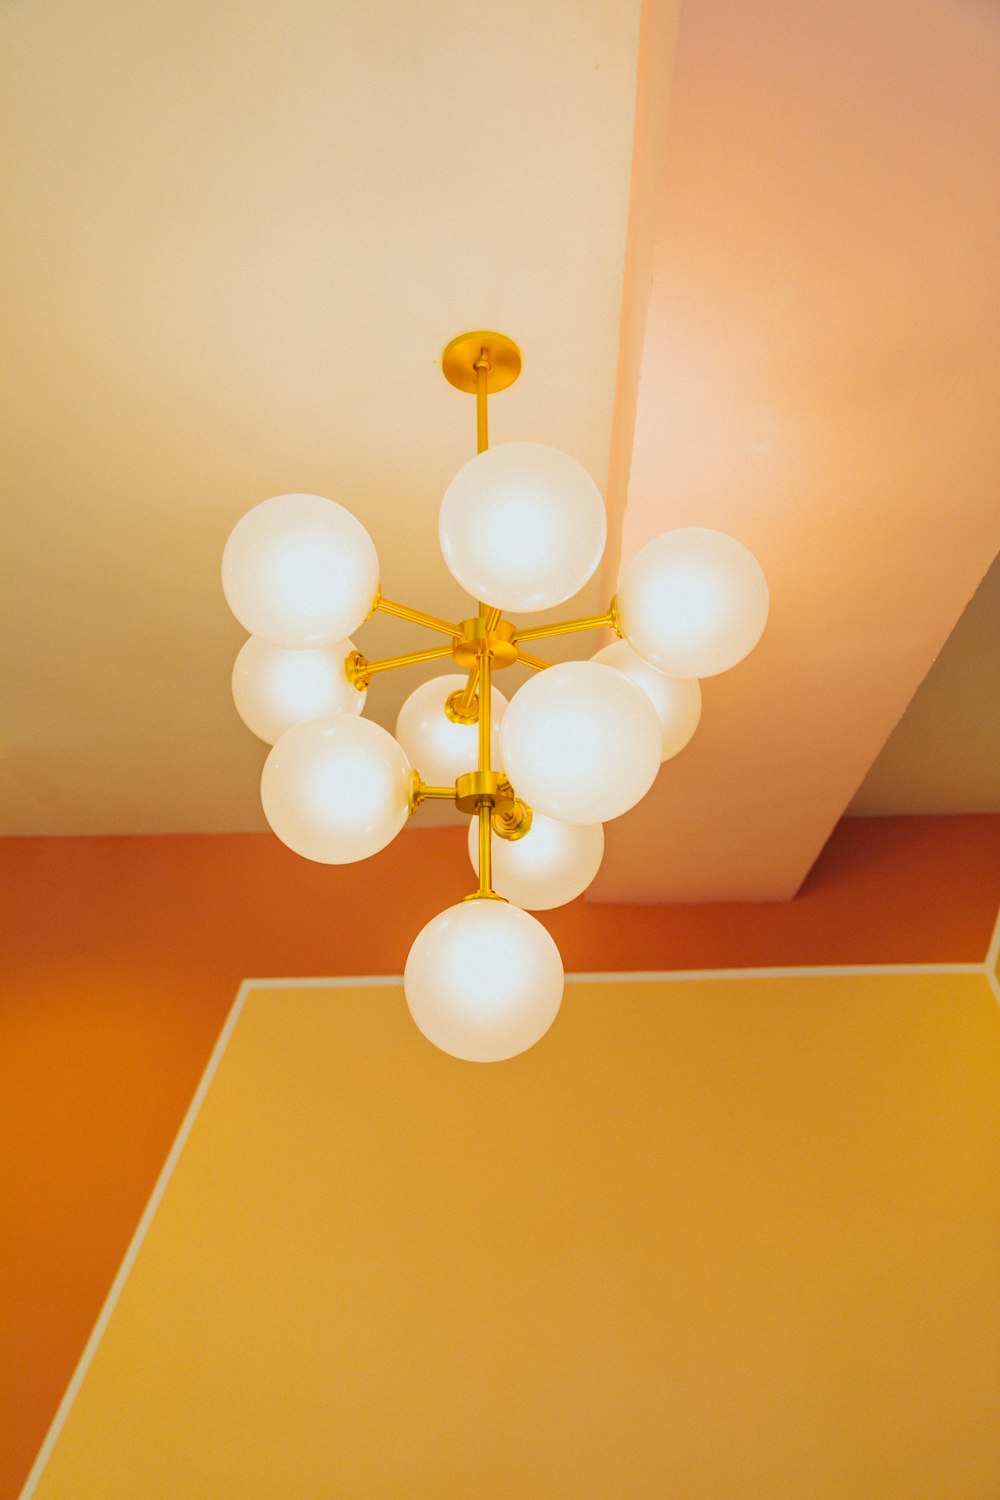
(522, 528)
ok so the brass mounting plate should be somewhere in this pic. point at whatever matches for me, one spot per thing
(459, 359)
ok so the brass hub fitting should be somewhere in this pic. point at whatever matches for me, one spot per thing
(476, 787)
(510, 817)
(499, 642)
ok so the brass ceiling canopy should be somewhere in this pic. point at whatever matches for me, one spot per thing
(461, 358)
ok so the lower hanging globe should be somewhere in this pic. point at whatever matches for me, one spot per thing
(580, 742)
(553, 863)
(275, 687)
(336, 789)
(440, 749)
(677, 700)
(483, 980)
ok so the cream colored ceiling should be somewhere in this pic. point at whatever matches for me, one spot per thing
(239, 236)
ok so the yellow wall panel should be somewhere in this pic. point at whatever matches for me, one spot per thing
(714, 1238)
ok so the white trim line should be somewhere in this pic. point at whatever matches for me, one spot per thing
(333, 982)
(643, 976)
(805, 971)
(135, 1245)
(992, 960)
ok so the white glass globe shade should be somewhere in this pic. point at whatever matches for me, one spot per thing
(553, 863)
(522, 526)
(300, 571)
(693, 602)
(439, 749)
(580, 742)
(677, 700)
(274, 688)
(483, 981)
(336, 789)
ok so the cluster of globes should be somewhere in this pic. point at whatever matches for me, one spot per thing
(522, 527)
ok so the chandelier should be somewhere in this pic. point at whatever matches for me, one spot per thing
(522, 527)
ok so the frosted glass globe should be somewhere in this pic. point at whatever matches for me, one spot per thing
(300, 571)
(483, 981)
(677, 700)
(274, 688)
(336, 789)
(580, 742)
(440, 750)
(693, 602)
(552, 864)
(522, 526)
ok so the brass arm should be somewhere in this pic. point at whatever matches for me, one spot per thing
(360, 671)
(534, 662)
(608, 621)
(417, 616)
(421, 792)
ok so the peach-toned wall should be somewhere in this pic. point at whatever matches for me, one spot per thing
(121, 958)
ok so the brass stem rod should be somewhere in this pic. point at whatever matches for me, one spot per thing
(418, 617)
(485, 850)
(425, 793)
(485, 706)
(485, 810)
(609, 620)
(482, 368)
(388, 663)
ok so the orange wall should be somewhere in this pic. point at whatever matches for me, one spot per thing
(122, 957)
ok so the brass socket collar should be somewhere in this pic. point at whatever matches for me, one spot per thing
(513, 821)
(454, 711)
(356, 667)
